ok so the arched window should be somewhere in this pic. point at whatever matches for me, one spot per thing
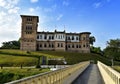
(72, 45)
(72, 37)
(45, 45)
(40, 45)
(77, 46)
(61, 44)
(45, 37)
(58, 45)
(76, 38)
(68, 45)
(52, 45)
(49, 45)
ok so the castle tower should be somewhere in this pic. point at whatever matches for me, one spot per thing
(85, 45)
(29, 32)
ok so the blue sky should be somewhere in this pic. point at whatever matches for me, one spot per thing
(100, 17)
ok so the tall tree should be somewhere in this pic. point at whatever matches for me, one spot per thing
(92, 40)
(112, 49)
(11, 45)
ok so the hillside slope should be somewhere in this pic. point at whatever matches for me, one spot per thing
(18, 57)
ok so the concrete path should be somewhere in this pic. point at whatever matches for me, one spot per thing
(90, 76)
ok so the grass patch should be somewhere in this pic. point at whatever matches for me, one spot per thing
(18, 57)
(10, 74)
(24, 53)
(117, 68)
(73, 57)
(9, 60)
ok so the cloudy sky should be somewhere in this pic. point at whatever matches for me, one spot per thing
(100, 17)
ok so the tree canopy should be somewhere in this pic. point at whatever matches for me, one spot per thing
(11, 45)
(113, 49)
(92, 40)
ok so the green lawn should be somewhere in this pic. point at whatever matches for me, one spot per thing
(24, 53)
(117, 68)
(10, 74)
(10, 60)
(18, 57)
(74, 57)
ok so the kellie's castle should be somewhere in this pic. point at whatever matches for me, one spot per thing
(32, 40)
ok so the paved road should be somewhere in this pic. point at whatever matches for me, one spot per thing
(90, 76)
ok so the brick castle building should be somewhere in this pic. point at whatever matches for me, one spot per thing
(31, 40)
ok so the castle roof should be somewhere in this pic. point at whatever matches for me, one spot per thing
(30, 16)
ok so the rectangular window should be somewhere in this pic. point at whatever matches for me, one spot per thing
(72, 37)
(40, 36)
(72, 45)
(61, 44)
(40, 45)
(52, 37)
(28, 32)
(79, 46)
(29, 18)
(37, 36)
(84, 46)
(52, 45)
(76, 46)
(49, 37)
(68, 45)
(68, 38)
(45, 37)
(49, 45)
(76, 38)
(45, 45)
(83, 38)
(58, 45)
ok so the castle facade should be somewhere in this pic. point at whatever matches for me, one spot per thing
(32, 40)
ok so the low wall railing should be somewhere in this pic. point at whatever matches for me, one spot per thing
(54, 77)
(109, 75)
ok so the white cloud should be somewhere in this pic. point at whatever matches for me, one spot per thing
(97, 4)
(50, 9)
(65, 3)
(13, 10)
(9, 19)
(101, 3)
(59, 17)
(31, 9)
(7, 4)
(34, 1)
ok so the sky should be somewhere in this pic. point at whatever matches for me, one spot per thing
(100, 17)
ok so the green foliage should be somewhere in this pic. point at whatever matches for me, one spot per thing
(9, 60)
(55, 62)
(10, 74)
(117, 68)
(18, 57)
(96, 50)
(73, 57)
(11, 45)
(92, 40)
(112, 51)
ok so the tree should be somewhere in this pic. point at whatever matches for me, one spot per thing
(112, 50)
(11, 45)
(96, 50)
(92, 40)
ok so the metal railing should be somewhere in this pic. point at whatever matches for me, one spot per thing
(54, 77)
(110, 76)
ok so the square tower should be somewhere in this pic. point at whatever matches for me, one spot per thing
(29, 32)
